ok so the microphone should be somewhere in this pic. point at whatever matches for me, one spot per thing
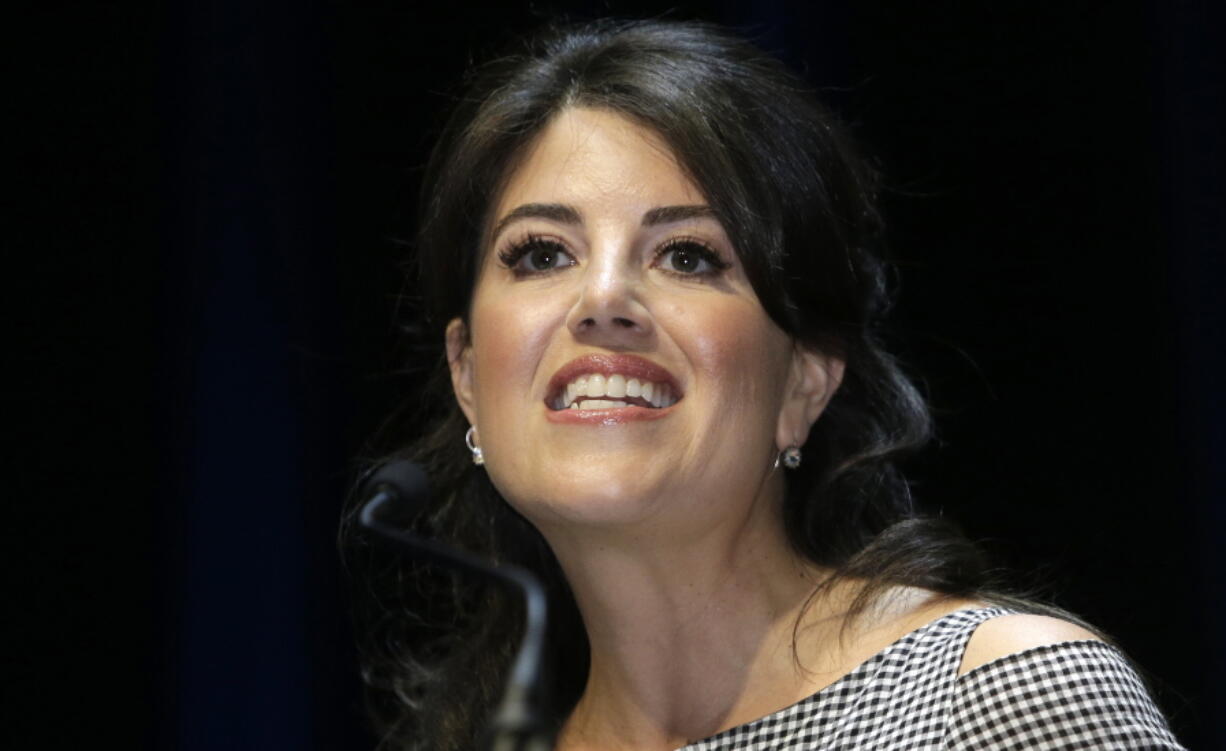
(519, 723)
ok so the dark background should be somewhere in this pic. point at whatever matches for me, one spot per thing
(208, 197)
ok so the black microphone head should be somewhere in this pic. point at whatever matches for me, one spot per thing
(405, 481)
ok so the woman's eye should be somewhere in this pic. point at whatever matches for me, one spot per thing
(691, 258)
(536, 256)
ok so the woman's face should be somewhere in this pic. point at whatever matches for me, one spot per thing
(618, 365)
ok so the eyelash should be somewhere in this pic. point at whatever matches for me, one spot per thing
(513, 255)
(704, 252)
(521, 248)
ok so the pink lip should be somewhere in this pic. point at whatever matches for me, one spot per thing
(606, 365)
(614, 416)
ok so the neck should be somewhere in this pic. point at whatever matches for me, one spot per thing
(687, 638)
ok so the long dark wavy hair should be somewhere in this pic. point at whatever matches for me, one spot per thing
(799, 207)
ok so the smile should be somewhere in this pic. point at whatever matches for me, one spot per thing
(609, 382)
(586, 392)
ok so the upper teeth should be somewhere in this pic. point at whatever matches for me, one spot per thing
(596, 385)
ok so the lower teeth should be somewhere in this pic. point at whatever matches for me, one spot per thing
(598, 404)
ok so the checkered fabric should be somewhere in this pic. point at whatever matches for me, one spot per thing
(1074, 695)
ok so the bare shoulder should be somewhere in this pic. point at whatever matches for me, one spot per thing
(1009, 634)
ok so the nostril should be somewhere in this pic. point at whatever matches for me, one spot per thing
(616, 322)
(616, 326)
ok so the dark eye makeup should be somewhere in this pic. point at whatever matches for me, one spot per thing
(535, 255)
(690, 256)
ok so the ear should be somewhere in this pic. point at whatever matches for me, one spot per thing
(812, 381)
(460, 361)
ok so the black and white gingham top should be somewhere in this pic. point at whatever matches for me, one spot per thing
(1073, 695)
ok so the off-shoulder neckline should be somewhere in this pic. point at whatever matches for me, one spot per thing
(976, 614)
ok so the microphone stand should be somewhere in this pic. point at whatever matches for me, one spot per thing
(517, 724)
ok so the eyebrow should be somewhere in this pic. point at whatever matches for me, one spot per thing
(560, 212)
(556, 212)
(670, 214)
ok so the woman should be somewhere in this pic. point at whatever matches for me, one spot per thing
(653, 261)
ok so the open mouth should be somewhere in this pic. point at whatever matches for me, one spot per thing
(598, 382)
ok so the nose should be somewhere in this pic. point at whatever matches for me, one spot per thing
(609, 311)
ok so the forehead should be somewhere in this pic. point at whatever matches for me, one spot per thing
(593, 158)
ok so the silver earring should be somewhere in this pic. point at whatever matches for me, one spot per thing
(789, 457)
(478, 454)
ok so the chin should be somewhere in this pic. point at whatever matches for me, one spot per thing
(600, 498)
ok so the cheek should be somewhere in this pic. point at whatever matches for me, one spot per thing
(742, 350)
(509, 336)
(741, 361)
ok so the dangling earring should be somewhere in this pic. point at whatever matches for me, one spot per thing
(789, 457)
(478, 455)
